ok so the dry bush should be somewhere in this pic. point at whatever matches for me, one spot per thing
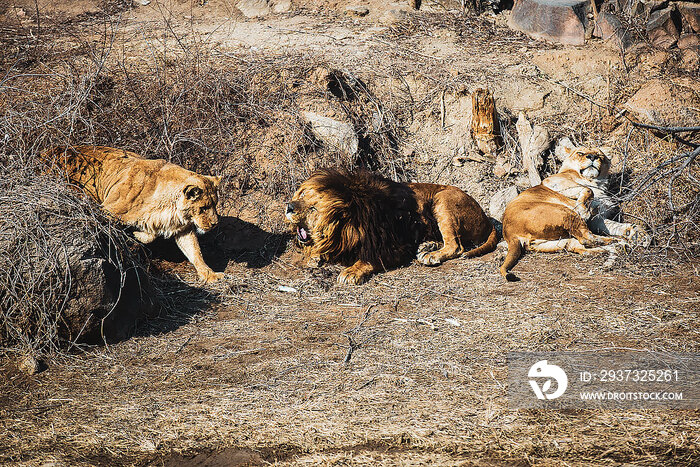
(45, 232)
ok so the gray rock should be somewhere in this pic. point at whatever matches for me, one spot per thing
(559, 24)
(609, 27)
(79, 278)
(691, 14)
(358, 11)
(499, 201)
(335, 135)
(662, 29)
(688, 41)
(254, 8)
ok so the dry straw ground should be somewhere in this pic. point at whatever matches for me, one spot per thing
(408, 369)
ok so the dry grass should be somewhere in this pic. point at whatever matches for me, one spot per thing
(41, 220)
(241, 365)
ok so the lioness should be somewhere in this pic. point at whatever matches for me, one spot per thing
(566, 211)
(369, 223)
(156, 197)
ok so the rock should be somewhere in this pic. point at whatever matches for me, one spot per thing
(281, 6)
(335, 135)
(609, 27)
(391, 17)
(499, 201)
(659, 102)
(141, 2)
(533, 142)
(688, 41)
(502, 167)
(77, 283)
(690, 11)
(662, 28)
(690, 60)
(560, 24)
(358, 11)
(255, 8)
(30, 365)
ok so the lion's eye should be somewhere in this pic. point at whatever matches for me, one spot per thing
(312, 209)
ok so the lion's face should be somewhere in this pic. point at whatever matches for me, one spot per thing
(591, 163)
(304, 216)
(198, 202)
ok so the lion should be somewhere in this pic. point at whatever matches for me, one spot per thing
(155, 197)
(567, 211)
(369, 223)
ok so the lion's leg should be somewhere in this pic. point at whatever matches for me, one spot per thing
(189, 245)
(451, 241)
(564, 244)
(632, 232)
(356, 274)
(144, 237)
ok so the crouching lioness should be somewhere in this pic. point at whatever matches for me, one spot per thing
(157, 198)
(569, 211)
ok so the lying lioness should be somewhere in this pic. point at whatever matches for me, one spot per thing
(156, 197)
(369, 223)
(567, 211)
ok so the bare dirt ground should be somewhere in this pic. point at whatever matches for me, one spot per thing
(241, 373)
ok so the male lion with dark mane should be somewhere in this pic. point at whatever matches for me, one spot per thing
(568, 211)
(157, 198)
(370, 223)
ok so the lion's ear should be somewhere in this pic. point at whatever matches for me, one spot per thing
(564, 148)
(192, 192)
(215, 180)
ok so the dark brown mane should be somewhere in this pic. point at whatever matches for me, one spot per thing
(376, 219)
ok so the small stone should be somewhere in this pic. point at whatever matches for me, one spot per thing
(688, 41)
(691, 14)
(392, 17)
(29, 365)
(690, 60)
(254, 8)
(141, 2)
(335, 135)
(282, 6)
(358, 11)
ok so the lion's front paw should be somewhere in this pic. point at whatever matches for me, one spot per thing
(636, 235)
(428, 254)
(351, 277)
(210, 276)
(433, 258)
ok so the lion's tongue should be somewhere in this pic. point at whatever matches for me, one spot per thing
(302, 233)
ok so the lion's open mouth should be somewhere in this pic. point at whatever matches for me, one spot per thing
(302, 235)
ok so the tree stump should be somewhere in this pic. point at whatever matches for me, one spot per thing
(484, 125)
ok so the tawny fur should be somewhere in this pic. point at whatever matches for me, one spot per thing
(566, 212)
(157, 198)
(369, 223)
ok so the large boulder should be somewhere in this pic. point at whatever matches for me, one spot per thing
(67, 273)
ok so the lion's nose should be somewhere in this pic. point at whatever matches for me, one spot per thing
(289, 209)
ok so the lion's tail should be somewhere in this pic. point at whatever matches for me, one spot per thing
(515, 250)
(487, 247)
